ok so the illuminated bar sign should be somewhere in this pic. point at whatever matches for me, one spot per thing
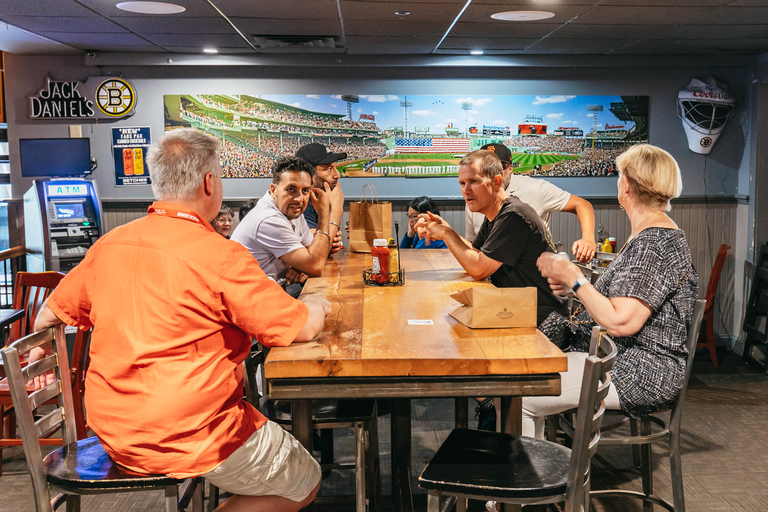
(97, 98)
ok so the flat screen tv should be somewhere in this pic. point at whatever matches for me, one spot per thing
(55, 158)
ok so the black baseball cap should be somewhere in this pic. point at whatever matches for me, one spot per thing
(500, 150)
(317, 154)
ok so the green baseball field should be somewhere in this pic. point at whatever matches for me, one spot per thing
(436, 164)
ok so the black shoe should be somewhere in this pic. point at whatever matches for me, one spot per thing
(485, 414)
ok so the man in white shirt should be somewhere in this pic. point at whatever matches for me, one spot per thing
(544, 198)
(275, 231)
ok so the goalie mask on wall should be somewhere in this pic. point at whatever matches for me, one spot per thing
(704, 107)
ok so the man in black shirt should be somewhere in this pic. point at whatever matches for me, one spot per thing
(510, 240)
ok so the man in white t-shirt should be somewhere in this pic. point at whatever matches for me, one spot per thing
(544, 198)
(275, 231)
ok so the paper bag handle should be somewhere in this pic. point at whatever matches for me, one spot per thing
(363, 194)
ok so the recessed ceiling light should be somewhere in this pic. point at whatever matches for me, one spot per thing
(522, 15)
(150, 7)
(210, 50)
(402, 13)
(476, 52)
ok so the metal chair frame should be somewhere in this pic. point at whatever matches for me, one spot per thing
(641, 438)
(26, 402)
(595, 386)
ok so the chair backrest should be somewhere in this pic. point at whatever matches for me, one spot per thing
(714, 276)
(25, 401)
(594, 389)
(694, 327)
(29, 293)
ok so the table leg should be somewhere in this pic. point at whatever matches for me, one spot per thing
(462, 415)
(301, 420)
(401, 455)
(511, 423)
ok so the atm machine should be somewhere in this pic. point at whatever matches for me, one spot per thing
(62, 212)
(62, 219)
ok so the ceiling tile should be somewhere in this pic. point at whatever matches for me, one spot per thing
(632, 15)
(216, 40)
(399, 28)
(581, 31)
(394, 45)
(706, 32)
(153, 25)
(563, 13)
(286, 26)
(379, 11)
(577, 46)
(480, 43)
(279, 9)
(37, 24)
(666, 3)
(95, 39)
(734, 16)
(108, 8)
(503, 29)
(37, 7)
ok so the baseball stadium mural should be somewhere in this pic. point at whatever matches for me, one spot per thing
(417, 136)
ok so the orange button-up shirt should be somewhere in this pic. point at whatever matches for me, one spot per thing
(172, 305)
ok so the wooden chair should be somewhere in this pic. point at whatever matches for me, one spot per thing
(644, 437)
(78, 467)
(708, 332)
(504, 468)
(30, 291)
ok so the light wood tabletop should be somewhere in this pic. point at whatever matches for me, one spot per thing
(368, 332)
(369, 349)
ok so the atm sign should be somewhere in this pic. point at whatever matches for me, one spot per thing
(67, 190)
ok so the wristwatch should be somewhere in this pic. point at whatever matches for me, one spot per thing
(581, 281)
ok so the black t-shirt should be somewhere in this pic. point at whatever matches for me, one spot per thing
(310, 215)
(516, 238)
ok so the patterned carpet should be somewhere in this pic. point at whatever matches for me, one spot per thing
(725, 453)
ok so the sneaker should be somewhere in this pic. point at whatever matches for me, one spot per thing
(485, 414)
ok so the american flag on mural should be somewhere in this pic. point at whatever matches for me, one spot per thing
(432, 145)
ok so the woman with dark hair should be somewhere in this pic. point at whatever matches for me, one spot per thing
(412, 240)
(222, 224)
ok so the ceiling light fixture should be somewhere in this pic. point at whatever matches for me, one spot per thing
(150, 7)
(402, 13)
(210, 50)
(522, 15)
(476, 52)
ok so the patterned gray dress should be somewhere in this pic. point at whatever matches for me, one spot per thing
(654, 267)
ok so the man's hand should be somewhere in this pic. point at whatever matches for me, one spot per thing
(43, 380)
(318, 309)
(294, 276)
(335, 197)
(584, 250)
(320, 201)
(336, 246)
(559, 272)
(431, 227)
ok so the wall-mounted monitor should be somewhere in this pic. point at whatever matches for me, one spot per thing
(55, 158)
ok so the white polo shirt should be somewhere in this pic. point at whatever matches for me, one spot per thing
(268, 234)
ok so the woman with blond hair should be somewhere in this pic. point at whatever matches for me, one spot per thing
(644, 298)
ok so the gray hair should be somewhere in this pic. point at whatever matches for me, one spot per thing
(489, 163)
(179, 162)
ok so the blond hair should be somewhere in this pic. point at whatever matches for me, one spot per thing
(652, 173)
(490, 165)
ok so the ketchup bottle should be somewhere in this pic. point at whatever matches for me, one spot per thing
(380, 261)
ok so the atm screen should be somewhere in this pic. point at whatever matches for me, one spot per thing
(69, 210)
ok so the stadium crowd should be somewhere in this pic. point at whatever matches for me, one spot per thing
(593, 162)
(546, 144)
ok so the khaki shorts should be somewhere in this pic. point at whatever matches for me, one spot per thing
(270, 463)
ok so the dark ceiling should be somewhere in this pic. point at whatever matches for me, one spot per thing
(586, 27)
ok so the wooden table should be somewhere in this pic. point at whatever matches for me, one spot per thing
(368, 349)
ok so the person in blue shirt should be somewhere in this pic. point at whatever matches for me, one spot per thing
(411, 239)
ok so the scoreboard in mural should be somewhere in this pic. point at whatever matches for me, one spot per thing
(417, 136)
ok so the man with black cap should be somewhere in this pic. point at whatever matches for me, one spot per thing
(324, 162)
(544, 198)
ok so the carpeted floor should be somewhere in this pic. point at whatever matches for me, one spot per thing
(725, 453)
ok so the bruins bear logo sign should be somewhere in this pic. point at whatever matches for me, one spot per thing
(115, 97)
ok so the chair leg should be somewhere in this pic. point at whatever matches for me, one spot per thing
(172, 498)
(326, 448)
(710, 330)
(675, 463)
(360, 448)
(433, 502)
(73, 503)
(635, 447)
(373, 466)
(213, 497)
(646, 457)
(198, 497)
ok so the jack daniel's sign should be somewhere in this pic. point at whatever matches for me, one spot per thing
(97, 98)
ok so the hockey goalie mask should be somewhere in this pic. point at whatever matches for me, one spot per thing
(704, 107)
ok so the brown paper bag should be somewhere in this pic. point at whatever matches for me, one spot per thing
(496, 308)
(368, 219)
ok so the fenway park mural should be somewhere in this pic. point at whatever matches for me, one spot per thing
(417, 136)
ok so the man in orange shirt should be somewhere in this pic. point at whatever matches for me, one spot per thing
(173, 306)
